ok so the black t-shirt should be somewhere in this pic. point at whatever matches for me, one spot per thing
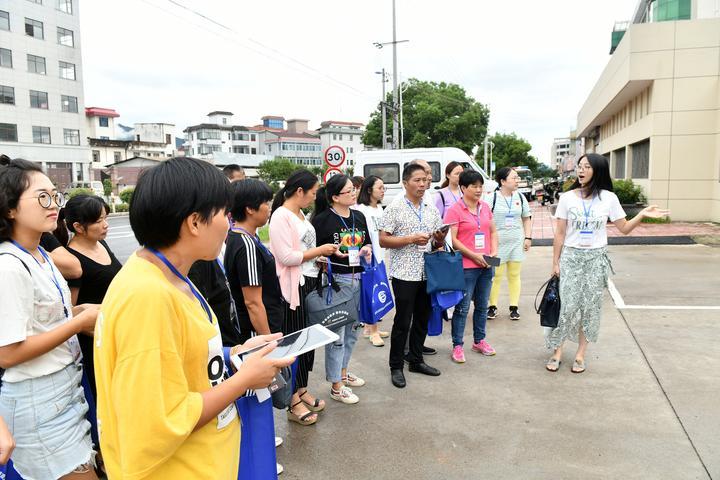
(331, 228)
(252, 265)
(49, 242)
(210, 280)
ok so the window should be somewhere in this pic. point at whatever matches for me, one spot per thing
(117, 156)
(96, 156)
(65, 6)
(67, 70)
(168, 139)
(4, 20)
(224, 121)
(36, 64)
(7, 95)
(38, 99)
(389, 172)
(69, 104)
(39, 2)
(5, 58)
(434, 167)
(41, 134)
(103, 121)
(619, 171)
(253, 151)
(334, 136)
(65, 37)
(641, 159)
(8, 132)
(340, 136)
(208, 135)
(33, 28)
(72, 137)
(252, 137)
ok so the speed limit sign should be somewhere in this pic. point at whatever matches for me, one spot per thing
(334, 156)
(331, 172)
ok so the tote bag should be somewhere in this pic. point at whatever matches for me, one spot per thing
(257, 445)
(444, 271)
(333, 306)
(375, 296)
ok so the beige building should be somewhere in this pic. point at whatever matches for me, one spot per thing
(655, 111)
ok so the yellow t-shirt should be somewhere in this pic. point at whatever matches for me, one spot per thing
(155, 351)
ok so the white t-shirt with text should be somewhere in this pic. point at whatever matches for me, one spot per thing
(587, 218)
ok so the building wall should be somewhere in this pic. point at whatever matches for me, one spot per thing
(95, 130)
(350, 139)
(662, 84)
(23, 81)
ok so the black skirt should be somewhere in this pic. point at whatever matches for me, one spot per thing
(294, 320)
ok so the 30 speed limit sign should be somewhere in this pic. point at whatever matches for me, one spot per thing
(334, 156)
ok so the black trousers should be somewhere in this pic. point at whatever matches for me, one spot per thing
(412, 310)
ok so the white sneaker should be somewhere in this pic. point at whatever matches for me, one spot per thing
(280, 468)
(345, 395)
(278, 441)
(352, 381)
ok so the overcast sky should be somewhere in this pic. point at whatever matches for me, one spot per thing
(532, 62)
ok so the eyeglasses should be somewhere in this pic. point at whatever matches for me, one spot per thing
(45, 199)
(353, 190)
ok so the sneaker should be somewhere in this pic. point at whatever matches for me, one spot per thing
(514, 314)
(353, 381)
(278, 441)
(458, 355)
(345, 395)
(483, 347)
(492, 312)
(279, 468)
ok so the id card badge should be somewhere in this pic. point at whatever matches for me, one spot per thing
(480, 241)
(586, 238)
(75, 350)
(354, 256)
(509, 220)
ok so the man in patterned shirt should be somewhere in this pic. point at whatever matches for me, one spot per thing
(410, 227)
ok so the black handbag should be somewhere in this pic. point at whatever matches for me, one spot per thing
(333, 305)
(549, 308)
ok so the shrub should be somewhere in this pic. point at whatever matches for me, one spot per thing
(126, 195)
(628, 193)
(122, 207)
(567, 184)
(74, 192)
(107, 187)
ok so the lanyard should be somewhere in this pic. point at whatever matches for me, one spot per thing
(52, 271)
(182, 277)
(345, 224)
(509, 202)
(587, 211)
(418, 213)
(478, 209)
(255, 238)
(455, 199)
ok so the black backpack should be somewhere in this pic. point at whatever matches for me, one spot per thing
(549, 309)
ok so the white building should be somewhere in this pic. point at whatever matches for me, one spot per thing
(219, 135)
(41, 87)
(347, 135)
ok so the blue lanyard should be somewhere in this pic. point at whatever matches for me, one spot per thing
(455, 199)
(52, 271)
(418, 213)
(509, 202)
(255, 239)
(587, 211)
(478, 209)
(182, 277)
(345, 224)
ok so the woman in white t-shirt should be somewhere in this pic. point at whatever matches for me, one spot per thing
(580, 255)
(372, 192)
(41, 398)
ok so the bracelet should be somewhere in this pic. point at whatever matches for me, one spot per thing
(528, 238)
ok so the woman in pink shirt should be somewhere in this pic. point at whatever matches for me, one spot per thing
(473, 235)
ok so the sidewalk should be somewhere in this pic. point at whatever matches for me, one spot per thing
(543, 230)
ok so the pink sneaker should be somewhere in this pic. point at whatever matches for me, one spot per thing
(458, 355)
(483, 347)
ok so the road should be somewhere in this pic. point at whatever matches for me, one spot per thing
(120, 237)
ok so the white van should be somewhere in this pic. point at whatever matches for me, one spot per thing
(95, 186)
(389, 164)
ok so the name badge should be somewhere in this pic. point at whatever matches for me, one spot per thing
(586, 238)
(509, 220)
(354, 256)
(479, 241)
(75, 350)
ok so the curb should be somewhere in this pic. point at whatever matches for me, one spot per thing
(650, 240)
(119, 214)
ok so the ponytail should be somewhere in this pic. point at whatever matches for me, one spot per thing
(278, 200)
(322, 202)
(61, 232)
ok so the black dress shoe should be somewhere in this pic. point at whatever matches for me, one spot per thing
(398, 377)
(429, 351)
(425, 369)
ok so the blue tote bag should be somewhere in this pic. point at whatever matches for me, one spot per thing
(444, 271)
(375, 296)
(257, 446)
(7, 472)
(441, 301)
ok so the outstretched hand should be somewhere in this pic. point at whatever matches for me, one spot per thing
(653, 211)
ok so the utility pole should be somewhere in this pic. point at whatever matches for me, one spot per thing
(396, 125)
(383, 109)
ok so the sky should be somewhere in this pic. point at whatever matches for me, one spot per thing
(174, 61)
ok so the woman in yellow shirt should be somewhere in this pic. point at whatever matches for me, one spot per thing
(165, 401)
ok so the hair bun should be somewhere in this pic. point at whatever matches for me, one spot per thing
(4, 160)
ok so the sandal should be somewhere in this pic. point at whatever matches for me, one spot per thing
(376, 340)
(301, 419)
(317, 406)
(578, 366)
(553, 364)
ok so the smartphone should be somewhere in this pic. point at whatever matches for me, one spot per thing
(446, 227)
(492, 261)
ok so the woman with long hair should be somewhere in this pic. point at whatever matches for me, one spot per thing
(449, 193)
(371, 194)
(511, 214)
(293, 243)
(41, 398)
(580, 255)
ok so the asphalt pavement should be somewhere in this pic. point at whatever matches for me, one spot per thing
(120, 237)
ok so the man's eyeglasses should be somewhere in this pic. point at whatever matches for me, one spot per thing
(46, 199)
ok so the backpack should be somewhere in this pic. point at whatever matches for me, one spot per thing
(492, 209)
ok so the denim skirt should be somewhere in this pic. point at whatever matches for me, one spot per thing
(46, 416)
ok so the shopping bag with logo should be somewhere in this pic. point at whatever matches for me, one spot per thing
(375, 297)
(257, 444)
(444, 271)
(333, 305)
(7, 472)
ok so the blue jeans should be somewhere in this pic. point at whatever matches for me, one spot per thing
(338, 353)
(478, 282)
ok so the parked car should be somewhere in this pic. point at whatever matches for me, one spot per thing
(95, 186)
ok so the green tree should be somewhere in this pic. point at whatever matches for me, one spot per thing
(277, 170)
(512, 151)
(107, 187)
(435, 114)
(74, 192)
(126, 195)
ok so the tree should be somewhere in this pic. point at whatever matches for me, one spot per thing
(279, 169)
(512, 151)
(107, 187)
(434, 115)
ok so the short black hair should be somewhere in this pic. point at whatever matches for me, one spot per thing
(229, 170)
(470, 177)
(323, 199)
(409, 169)
(14, 180)
(250, 193)
(365, 193)
(169, 193)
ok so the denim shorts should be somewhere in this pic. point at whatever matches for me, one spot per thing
(46, 416)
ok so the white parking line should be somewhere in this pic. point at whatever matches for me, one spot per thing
(123, 235)
(620, 303)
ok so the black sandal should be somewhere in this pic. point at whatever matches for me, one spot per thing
(313, 407)
(301, 419)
